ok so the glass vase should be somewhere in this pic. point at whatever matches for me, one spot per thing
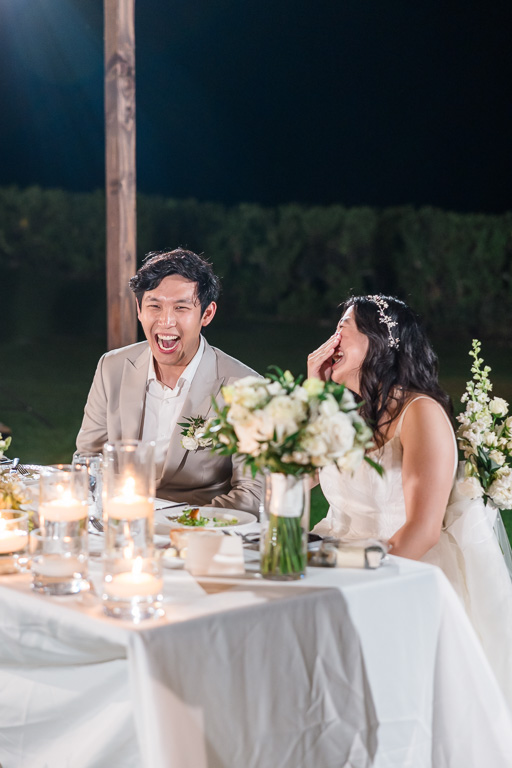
(284, 526)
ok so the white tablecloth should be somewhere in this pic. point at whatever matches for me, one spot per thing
(348, 668)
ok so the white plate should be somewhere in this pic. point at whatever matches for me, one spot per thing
(235, 517)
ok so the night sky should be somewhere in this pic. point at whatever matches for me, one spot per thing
(360, 102)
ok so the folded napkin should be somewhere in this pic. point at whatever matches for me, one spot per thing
(333, 553)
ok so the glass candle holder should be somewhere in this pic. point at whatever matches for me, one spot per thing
(13, 540)
(128, 496)
(132, 587)
(59, 565)
(63, 495)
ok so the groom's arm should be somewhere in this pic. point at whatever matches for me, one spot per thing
(93, 432)
(245, 492)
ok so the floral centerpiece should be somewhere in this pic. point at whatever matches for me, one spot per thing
(485, 437)
(4, 444)
(13, 493)
(288, 429)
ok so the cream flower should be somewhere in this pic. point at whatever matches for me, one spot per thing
(500, 490)
(498, 406)
(285, 414)
(497, 457)
(470, 487)
(313, 387)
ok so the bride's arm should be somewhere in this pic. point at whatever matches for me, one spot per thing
(427, 476)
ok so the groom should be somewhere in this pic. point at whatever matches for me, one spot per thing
(144, 390)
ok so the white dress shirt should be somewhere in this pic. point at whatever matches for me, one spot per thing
(163, 406)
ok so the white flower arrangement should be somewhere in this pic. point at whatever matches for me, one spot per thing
(485, 437)
(193, 433)
(281, 425)
(13, 494)
(4, 444)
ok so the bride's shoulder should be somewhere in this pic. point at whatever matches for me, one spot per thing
(420, 412)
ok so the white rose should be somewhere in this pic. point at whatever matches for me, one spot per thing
(339, 434)
(351, 460)
(508, 422)
(497, 457)
(275, 389)
(285, 414)
(249, 392)
(498, 406)
(313, 444)
(329, 407)
(189, 443)
(470, 487)
(500, 490)
(491, 439)
(299, 393)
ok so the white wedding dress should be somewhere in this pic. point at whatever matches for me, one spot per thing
(364, 505)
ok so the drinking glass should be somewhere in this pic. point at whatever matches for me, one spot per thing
(92, 463)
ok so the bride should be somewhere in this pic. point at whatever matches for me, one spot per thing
(380, 351)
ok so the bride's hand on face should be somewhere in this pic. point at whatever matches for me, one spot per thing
(320, 361)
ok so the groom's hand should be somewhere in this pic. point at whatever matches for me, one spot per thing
(320, 361)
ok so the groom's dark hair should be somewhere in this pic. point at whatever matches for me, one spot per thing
(160, 264)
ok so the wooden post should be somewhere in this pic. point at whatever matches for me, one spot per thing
(120, 187)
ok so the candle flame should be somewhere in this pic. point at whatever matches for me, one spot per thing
(128, 550)
(137, 566)
(129, 488)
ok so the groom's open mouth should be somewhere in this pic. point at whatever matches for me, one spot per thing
(166, 342)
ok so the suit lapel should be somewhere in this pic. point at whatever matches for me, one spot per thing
(198, 402)
(132, 394)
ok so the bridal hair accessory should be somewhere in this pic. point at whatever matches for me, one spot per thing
(382, 304)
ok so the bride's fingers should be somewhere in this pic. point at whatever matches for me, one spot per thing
(318, 361)
(326, 348)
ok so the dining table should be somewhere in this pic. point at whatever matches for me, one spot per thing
(344, 668)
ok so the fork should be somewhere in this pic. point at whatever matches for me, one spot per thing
(96, 523)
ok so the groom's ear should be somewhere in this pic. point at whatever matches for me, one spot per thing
(208, 314)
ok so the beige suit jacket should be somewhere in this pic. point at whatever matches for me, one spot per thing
(114, 411)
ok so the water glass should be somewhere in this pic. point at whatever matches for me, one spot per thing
(92, 463)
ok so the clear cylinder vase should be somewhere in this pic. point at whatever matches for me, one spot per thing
(284, 526)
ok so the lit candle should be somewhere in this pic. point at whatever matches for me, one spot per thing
(128, 505)
(134, 583)
(64, 509)
(11, 539)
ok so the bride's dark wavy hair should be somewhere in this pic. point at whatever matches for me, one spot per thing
(389, 373)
